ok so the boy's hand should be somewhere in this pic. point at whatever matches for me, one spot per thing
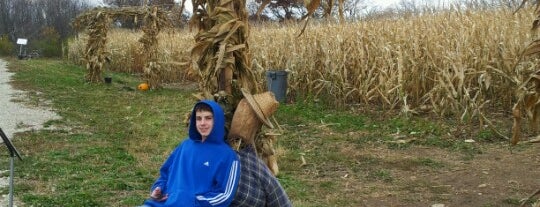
(157, 195)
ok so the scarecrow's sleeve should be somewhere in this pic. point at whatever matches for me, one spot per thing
(225, 189)
(275, 194)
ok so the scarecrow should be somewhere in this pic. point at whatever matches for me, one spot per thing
(258, 185)
(251, 113)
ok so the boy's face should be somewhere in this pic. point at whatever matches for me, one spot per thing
(204, 120)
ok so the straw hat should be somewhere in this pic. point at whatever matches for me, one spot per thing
(251, 113)
(264, 105)
(245, 123)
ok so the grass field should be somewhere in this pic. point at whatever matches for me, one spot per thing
(111, 140)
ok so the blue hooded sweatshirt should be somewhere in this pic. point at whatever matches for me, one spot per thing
(200, 173)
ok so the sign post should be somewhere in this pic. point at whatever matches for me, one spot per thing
(21, 42)
(12, 153)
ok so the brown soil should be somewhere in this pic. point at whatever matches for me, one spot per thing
(497, 177)
(342, 171)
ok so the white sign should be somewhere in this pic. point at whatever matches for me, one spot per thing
(22, 41)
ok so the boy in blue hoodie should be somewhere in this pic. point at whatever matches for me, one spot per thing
(203, 170)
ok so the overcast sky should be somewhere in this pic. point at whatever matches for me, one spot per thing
(384, 3)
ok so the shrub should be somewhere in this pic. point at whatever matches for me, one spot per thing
(49, 43)
(6, 46)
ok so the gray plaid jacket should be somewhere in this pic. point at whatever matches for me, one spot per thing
(257, 187)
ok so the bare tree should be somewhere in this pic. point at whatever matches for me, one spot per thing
(283, 9)
(408, 7)
(124, 3)
(121, 3)
(6, 24)
(166, 4)
(489, 4)
(22, 23)
(352, 8)
(57, 14)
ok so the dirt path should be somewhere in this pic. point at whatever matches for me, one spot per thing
(16, 117)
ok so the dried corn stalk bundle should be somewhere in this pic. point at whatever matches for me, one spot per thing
(97, 21)
(154, 21)
(222, 59)
(221, 51)
(221, 55)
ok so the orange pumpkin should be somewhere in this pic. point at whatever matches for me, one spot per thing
(143, 87)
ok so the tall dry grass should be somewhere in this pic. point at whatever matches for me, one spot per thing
(127, 53)
(458, 63)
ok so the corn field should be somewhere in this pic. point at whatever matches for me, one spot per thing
(453, 63)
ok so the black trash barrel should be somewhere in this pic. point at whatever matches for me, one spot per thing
(276, 81)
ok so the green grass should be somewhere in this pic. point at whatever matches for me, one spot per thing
(381, 175)
(93, 156)
(107, 148)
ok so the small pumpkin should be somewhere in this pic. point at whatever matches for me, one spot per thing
(143, 87)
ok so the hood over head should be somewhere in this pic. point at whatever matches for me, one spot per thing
(218, 131)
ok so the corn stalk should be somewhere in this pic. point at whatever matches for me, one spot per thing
(154, 21)
(528, 92)
(98, 21)
(221, 57)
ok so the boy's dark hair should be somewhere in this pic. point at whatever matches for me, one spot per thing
(203, 107)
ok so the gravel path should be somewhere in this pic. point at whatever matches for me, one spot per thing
(16, 117)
